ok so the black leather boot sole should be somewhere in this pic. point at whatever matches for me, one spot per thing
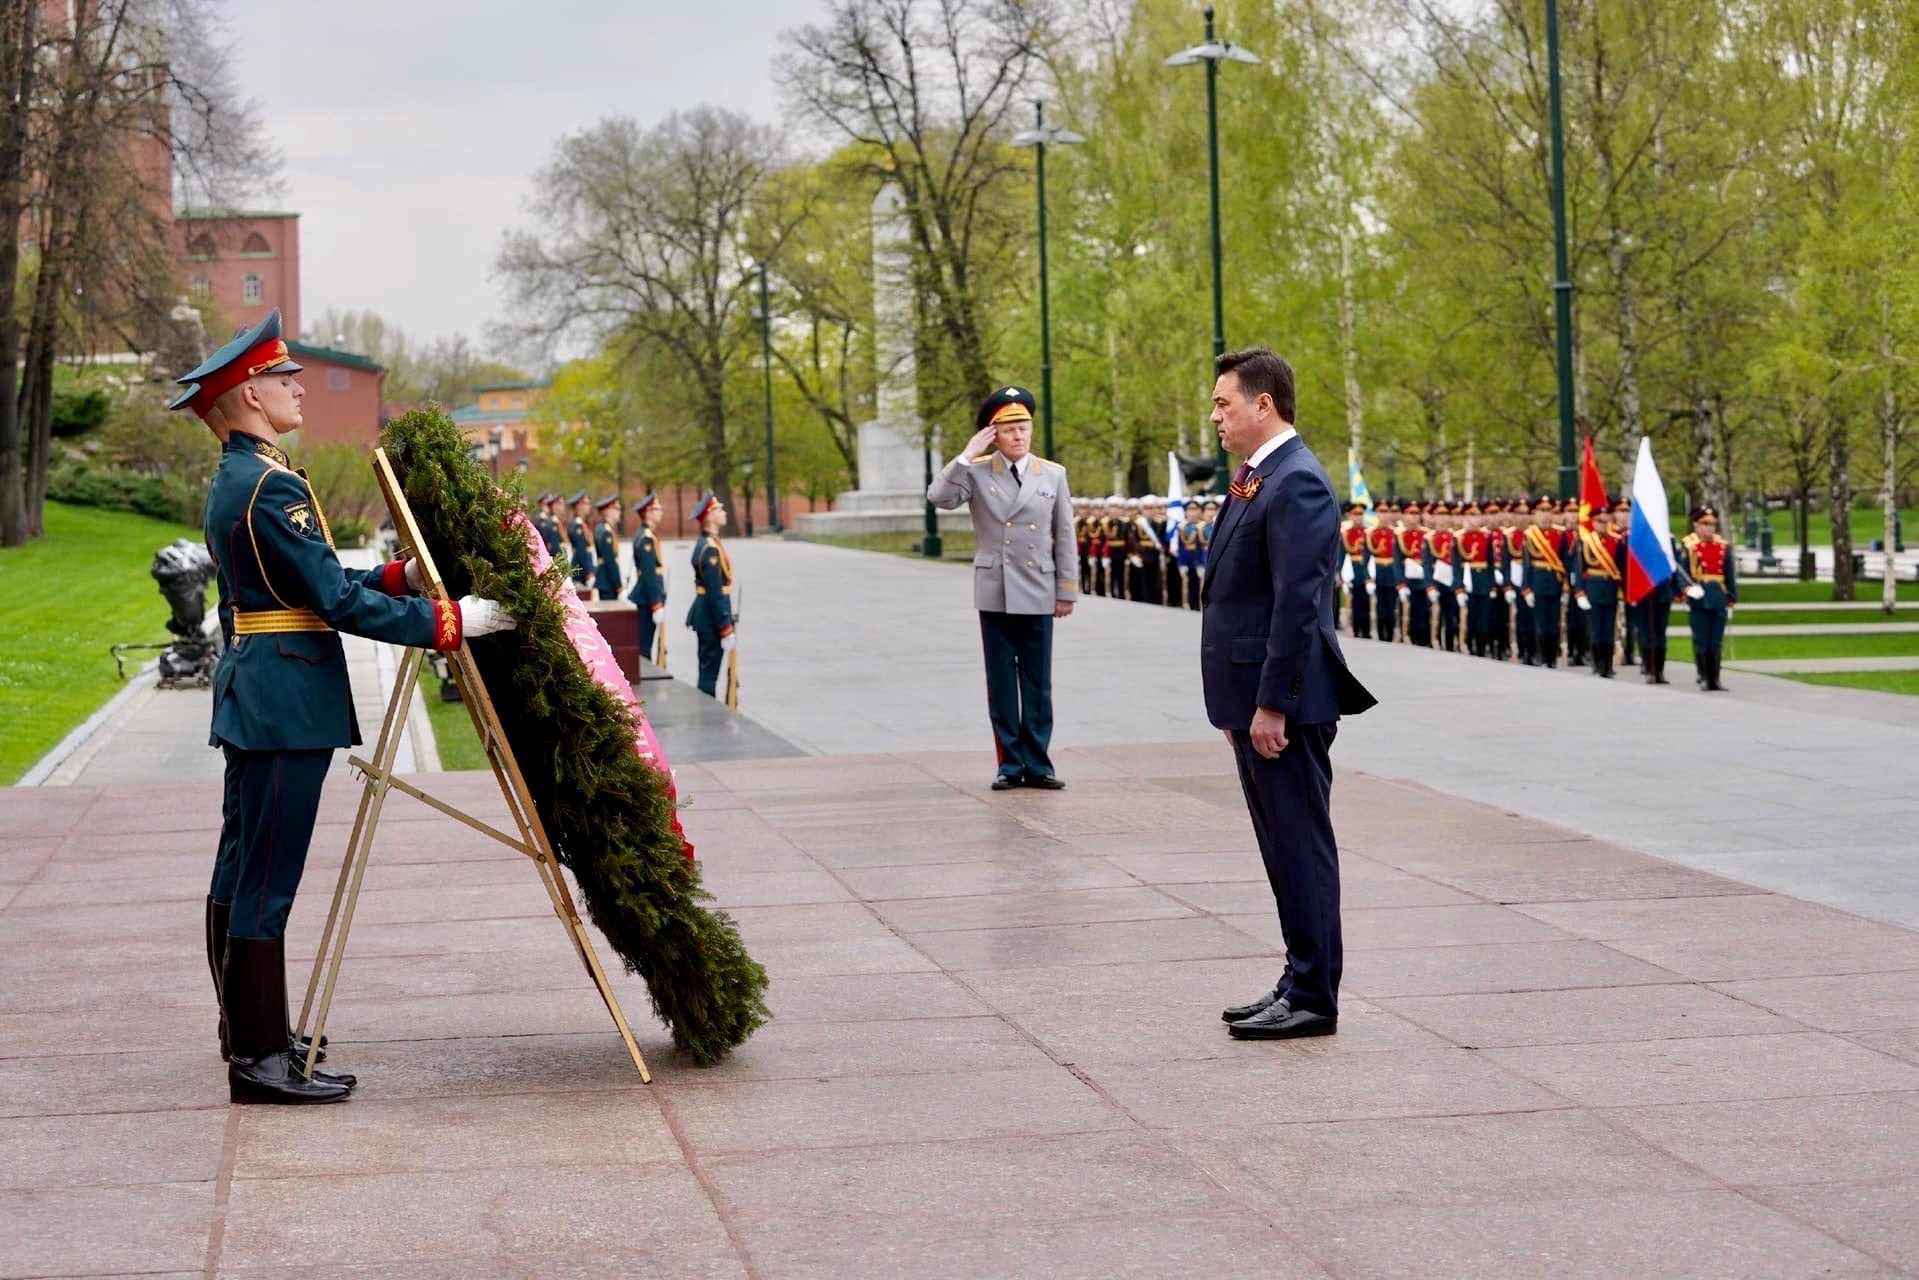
(262, 1068)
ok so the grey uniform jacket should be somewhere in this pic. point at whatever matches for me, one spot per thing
(1027, 557)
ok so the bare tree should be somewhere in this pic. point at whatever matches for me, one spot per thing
(924, 88)
(644, 239)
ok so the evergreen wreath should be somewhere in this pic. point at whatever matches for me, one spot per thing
(606, 811)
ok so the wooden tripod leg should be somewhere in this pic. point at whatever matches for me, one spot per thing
(390, 728)
(354, 873)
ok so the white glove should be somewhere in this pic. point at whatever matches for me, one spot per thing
(1499, 579)
(1529, 597)
(1405, 594)
(415, 579)
(1509, 595)
(480, 617)
(1695, 592)
(728, 640)
(659, 611)
(1460, 596)
(1432, 594)
(1583, 602)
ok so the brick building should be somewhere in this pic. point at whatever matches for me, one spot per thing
(237, 266)
(343, 400)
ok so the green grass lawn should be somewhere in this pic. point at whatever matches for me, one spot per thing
(1756, 648)
(1906, 682)
(1867, 527)
(1819, 617)
(1762, 592)
(953, 546)
(452, 727)
(64, 599)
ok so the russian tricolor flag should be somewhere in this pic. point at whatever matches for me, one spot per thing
(1649, 559)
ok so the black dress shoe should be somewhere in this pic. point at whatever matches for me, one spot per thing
(1006, 782)
(1241, 1012)
(1282, 1022)
(1044, 782)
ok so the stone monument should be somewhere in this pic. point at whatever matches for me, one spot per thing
(892, 493)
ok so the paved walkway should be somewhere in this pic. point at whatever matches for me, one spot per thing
(996, 1050)
(1803, 789)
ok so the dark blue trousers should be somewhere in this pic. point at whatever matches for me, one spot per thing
(1708, 628)
(1019, 689)
(272, 799)
(711, 658)
(647, 628)
(1290, 800)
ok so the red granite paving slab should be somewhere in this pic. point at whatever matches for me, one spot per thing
(1220, 792)
(826, 772)
(1195, 938)
(494, 1131)
(85, 845)
(1316, 1080)
(184, 882)
(655, 1211)
(1573, 884)
(522, 897)
(1210, 755)
(88, 922)
(1903, 1045)
(494, 1013)
(143, 810)
(1873, 1217)
(22, 856)
(1181, 984)
(1009, 872)
(1840, 946)
(1586, 1015)
(37, 812)
(895, 845)
(1121, 844)
(702, 1263)
(1863, 1136)
(1227, 866)
(1155, 1033)
(1708, 1069)
(734, 889)
(868, 997)
(1707, 1235)
(1017, 910)
(1396, 928)
(1433, 849)
(817, 922)
(140, 1077)
(1502, 966)
(478, 1065)
(386, 874)
(110, 1150)
(1737, 916)
(525, 933)
(827, 957)
(1841, 1002)
(1442, 1160)
(1214, 1246)
(820, 1050)
(102, 1027)
(1115, 807)
(548, 969)
(983, 1182)
(155, 1230)
(44, 980)
(857, 1111)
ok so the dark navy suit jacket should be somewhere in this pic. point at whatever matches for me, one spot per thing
(1266, 633)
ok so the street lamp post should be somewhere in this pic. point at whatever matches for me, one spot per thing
(766, 356)
(1212, 53)
(493, 438)
(1562, 281)
(1037, 137)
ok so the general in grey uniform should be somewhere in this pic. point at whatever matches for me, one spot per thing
(1025, 574)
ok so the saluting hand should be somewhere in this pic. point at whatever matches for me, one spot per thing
(982, 440)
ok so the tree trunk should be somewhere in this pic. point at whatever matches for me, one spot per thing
(1839, 502)
(18, 39)
(1472, 448)
(1889, 417)
(1709, 485)
(1349, 345)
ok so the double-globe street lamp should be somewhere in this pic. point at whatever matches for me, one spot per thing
(1037, 137)
(1212, 53)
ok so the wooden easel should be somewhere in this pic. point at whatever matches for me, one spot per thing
(378, 772)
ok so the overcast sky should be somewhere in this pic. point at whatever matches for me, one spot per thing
(411, 128)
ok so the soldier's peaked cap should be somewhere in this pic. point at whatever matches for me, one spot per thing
(1008, 404)
(576, 499)
(652, 496)
(704, 505)
(606, 503)
(252, 352)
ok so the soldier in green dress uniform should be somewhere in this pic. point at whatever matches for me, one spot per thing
(711, 616)
(1708, 561)
(1544, 588)
(281, 703)
(1597, 575)
(649, 572)
(579, 539)
(548, 523)
(606, 549)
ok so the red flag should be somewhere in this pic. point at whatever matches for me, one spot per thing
(1592, 489)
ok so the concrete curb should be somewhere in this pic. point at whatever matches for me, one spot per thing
(43, 769)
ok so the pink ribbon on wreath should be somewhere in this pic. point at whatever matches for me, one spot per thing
(600, 663)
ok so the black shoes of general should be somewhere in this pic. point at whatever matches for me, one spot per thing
(1037, 781)
(1241, 1012)
(1280, 1021)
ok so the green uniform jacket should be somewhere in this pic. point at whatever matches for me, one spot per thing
(286, 689)
(607, 576)
(712, 609)
(582, 547)
(649, 574)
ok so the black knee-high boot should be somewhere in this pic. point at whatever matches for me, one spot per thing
(262, 1068)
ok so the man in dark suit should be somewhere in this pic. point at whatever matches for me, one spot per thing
(1276, 681)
